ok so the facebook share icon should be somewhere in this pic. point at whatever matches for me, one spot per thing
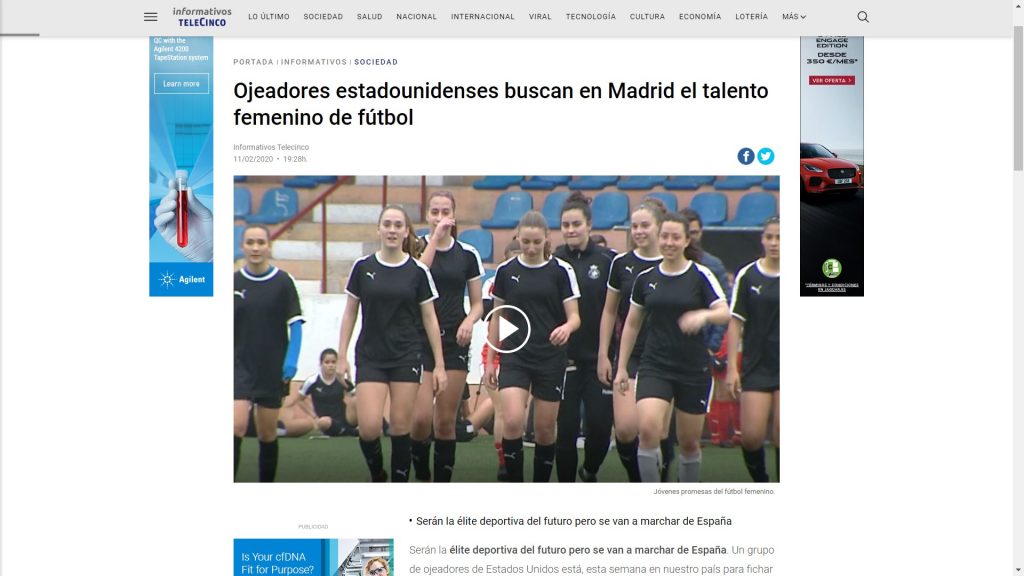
(745, 156)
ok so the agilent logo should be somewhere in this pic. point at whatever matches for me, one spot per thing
(831, 268)
(745, 156)
(167, 280)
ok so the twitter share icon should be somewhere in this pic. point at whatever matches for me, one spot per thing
(765, 156)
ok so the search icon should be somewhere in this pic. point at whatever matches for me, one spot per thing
(862, 16)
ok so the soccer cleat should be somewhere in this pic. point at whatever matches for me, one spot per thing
(586, 476)
(382, 477)
(502, 474)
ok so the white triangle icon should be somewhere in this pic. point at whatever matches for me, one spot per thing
(506, 328)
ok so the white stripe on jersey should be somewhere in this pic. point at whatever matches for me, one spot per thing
(573, 285)
(637, 279)
(304, 389)
(736, 289)
(430, 279)
(479, 263)
(353, 271)
(715, 286)
(608, 284)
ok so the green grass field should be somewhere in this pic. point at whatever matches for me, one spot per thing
(311, 459)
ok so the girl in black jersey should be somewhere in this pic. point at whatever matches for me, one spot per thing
(591, 264)
(534, 356)
(456, 268)
(676, 298)
(644, 223)
(268, 336)
(755, 318)
(327, 400)
(396, 293)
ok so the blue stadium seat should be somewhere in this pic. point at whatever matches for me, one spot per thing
(592, 182)
(668, 198)
(687, 182)
(482, 240)
(713, 207)
(239, 229)
(640, 182)
(771, 184)
(508, 209)
(738, 182)
(325, 179)
(301, 182)
(243, 202)
(421, 232)
(241, 178)
(544, 182)
(610, 209)
(497, 182)
(754, 209)
(552, 209)
(278, 205)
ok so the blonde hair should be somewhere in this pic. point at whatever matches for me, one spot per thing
(379, 559)
(534, 219)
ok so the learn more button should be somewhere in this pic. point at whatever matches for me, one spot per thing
(181, 83)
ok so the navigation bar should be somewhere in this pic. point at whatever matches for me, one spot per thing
(465, 18)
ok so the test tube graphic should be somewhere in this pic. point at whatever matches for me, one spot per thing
(181, 185)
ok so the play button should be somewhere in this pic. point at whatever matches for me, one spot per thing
(507, 328)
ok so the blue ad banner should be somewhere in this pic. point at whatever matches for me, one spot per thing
(281, 557)
(181, 166)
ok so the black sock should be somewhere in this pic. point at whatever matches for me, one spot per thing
(401, 458)
(513, 458)
(627, 454)
(268, 460)
(594, 451)
(374, 457)
(444, 460)
(421, 459)
(543, 461)
(668, 454)
(754, 459)
(778, 474)
(566, 459)
(238, 453)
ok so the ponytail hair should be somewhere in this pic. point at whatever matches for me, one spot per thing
(451, 198)
(534, 219)
(655, 206)
(578, 201)
(691, 252)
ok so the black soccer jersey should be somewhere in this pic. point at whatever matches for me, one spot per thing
(540, 292)
(625, 268)
(327, 396)
(755, 301)
(664, 298)
(390, 296)
(452, 269)
(264, 307)
(591, 267)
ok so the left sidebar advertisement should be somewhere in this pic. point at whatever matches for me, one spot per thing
(181, 166)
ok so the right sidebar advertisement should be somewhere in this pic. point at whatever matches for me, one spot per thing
(832, 166)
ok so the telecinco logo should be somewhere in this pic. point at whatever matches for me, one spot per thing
(831, 268)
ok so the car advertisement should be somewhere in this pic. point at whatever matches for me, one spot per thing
(832, 166)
